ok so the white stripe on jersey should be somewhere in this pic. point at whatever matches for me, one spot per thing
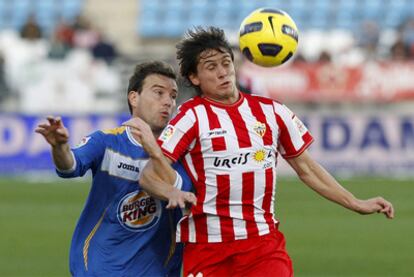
(236, 210)
(287, 116)
(191, 229)
(259, 193)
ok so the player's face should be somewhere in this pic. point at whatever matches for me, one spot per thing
(157, 101)
(216, 76)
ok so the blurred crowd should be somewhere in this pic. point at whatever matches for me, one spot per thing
(65, 71)
(369, 42)
(73, 68)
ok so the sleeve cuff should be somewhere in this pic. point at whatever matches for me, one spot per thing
(178, 181)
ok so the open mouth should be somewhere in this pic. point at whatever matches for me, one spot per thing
(225, 84)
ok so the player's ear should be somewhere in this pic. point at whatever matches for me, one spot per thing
(194, 79)
(133, 98)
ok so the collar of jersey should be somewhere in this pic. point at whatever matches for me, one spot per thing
(221, 105)
(131, 137)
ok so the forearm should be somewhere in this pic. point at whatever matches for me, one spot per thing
(318, 179)
(154, 184)
(161, 167)
(62, 156)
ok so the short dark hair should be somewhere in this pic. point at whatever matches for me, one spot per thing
(195, 42)
(144, 69)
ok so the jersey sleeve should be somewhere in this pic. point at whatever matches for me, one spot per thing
(294, 138)
(177, 138)
(186, 185)
(87, 154)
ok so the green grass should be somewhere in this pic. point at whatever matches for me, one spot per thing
(323, 239)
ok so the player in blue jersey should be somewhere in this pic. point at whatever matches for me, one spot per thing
(123, 231)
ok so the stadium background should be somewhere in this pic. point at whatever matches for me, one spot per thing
(351, 82)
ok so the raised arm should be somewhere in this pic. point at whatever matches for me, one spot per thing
(318, 179)
(57, 136)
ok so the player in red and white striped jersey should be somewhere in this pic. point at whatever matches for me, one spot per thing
(229, 143)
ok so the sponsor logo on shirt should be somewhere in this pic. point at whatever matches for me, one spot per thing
(122, 166)
(83, 141)
(263, 157)
(138, 212)
(259, 128)
(129, 167)
(167, 133)
(216, 133)
(230, 162)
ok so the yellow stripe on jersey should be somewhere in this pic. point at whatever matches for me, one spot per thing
(114, 131)
(88, 239)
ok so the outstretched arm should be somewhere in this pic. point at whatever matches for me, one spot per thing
(318, 179)
(57, 136)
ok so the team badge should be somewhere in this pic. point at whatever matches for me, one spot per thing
(138, 212)
(167, 133)
(83, 142)
(259, 128)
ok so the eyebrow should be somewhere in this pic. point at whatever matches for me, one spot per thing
(206, 60)
(160, 86)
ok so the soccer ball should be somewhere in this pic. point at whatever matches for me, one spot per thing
(268, 37)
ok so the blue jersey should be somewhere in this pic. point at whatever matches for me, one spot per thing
(122, 231)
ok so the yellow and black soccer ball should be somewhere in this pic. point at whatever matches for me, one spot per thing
(268, 37)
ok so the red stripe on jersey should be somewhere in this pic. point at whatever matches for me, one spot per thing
(267, 199)
(223, 207)
(284, 136)
(239, 125)
(219, 144)
(248, 203)
(257, 111)
(200, 219)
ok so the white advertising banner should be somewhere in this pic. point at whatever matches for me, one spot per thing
(362, 144)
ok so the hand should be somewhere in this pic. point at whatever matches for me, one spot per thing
(143, 132)
(54, 131)
(377, 204)
(179, 198)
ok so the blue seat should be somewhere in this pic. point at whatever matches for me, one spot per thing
(69, 9)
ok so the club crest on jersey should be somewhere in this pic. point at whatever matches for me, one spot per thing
(167, 133)
(83, 141)
(259, 128)
(138, 212)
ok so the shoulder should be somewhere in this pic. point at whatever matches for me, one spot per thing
(108, 134)
(260, 99)
(189, 104)
(114, 131)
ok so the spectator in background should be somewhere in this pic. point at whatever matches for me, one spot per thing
(399, 51)
(368, 38)
(85, 36)
(64, 33)
(104, 50)
(31, 29)
(407, 35)
(61, 41)
(324, 57)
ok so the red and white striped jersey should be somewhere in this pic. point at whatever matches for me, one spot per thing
(230, 152)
